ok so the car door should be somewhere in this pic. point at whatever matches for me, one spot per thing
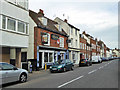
(10, 74)
(70, 64)
(67, 64)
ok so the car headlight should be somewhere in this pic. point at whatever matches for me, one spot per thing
(60, 66)
(50, 66)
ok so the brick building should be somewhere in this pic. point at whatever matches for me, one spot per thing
(88, 48)
(83, 47)
(97, 48)
(49, 43)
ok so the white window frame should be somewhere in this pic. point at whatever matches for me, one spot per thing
(24, 26)
(16, 25)
(61, 42)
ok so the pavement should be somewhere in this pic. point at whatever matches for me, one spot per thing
(103, 75)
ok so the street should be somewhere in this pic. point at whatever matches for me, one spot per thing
(103, 75)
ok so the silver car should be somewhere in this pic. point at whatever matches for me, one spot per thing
(9, 73)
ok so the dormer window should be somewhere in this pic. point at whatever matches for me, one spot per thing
(43, 20)
(60, 29)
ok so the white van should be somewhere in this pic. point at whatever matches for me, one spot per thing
(96, 59)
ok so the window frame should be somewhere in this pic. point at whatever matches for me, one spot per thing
(9, 18)
(24, 31)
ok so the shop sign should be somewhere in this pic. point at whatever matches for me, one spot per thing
(54, 37)
(44, 38)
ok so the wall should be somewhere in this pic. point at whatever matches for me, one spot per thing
(30, 49)
(11, 10)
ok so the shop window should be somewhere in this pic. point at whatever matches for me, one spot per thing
(21, 27)
(45, 57)
(50, 57)
(73, 56)
(11, 24)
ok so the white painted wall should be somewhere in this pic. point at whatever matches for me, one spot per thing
(13, 39)
(75, 37)
(30, 49)
(14, 11)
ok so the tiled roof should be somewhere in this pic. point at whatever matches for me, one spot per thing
(50, 23)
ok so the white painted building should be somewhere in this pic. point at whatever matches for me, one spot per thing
(74, 45)
(14, 24)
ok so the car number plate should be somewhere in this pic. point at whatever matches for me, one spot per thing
(82, 62)
(54, 69)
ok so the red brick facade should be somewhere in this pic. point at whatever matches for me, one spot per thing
(93, 44)
(83, 44)
(53, 43)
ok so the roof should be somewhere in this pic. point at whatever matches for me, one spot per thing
(68, 24)
(73, 26)
(50, 23)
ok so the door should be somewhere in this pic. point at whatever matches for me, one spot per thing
(40, 59)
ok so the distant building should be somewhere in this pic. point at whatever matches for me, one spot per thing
(14, 32)
(88, 45)
(102, 48)
(83, 47)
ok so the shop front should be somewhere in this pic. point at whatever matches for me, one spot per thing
(48, 55)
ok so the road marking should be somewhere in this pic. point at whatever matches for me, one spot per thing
(92, 71)
(70, 81)
(100, 67)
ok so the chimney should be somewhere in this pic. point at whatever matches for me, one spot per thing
(65, 20)
(40, 13)
(84, 32)
(95, 39)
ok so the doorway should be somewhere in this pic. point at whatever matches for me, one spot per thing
(40, 59)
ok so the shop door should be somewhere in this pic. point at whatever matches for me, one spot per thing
(40, 59)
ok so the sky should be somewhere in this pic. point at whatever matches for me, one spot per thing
(99, 18)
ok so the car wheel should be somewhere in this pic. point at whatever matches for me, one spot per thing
(88, 64)
(51, 71)
(64, 69)
(23, 78)
(72, 68)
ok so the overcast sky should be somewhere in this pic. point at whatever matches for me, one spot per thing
(98, 18)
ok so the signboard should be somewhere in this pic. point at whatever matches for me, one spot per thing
(54, 37)
(44, 38)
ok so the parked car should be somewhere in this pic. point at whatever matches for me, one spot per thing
(85, 62)
(96, 59)
(10, 73)
(62, 65)
(110, 58)
(104, 59)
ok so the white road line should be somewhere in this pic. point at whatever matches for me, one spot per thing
(92, 71)
(70, 81)
(100, 67)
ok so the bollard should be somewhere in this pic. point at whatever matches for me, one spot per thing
(45, 66)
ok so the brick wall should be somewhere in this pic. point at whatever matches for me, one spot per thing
(53, 43)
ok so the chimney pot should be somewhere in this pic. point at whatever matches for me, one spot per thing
(65, 20)
(41, 12)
